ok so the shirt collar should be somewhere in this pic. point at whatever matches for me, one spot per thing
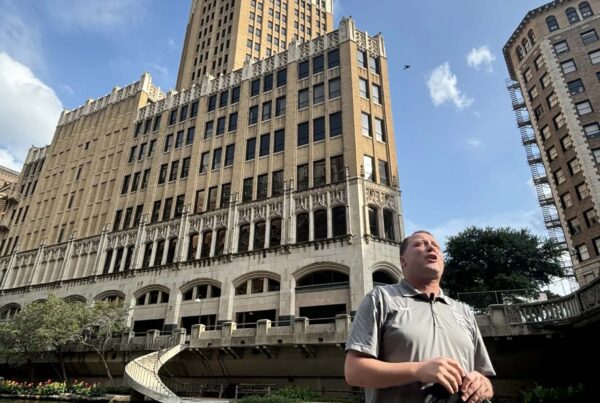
(407, 290)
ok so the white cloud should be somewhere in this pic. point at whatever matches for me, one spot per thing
(67, 88)
(531, 219)
(20, 39)
(96, 14)
(29, 111)
(443, 87)
(474, 143)
(481, 58)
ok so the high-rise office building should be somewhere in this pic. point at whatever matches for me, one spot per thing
(269, 192)
(222, 34)
(554, 62)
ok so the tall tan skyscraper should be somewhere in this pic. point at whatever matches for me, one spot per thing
(554, 62)
(222, 34)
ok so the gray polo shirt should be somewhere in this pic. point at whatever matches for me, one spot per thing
(397, 323)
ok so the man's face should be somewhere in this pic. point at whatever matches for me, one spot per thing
(423, 258)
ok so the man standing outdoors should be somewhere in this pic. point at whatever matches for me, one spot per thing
(409, 335)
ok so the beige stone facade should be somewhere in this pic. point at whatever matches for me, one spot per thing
(270, 192)
(554, 61)
(222, 34)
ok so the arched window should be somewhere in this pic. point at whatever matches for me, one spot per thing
(220, 248)
(152, 298)
(257, 285)
(75, 298)
(323, 277)
(373, 221)
(9, 311)
(531, 37)
(525, 44)
(520, 54)
(585, 9)
(111, 296)
(206, 242)
(389, 224)
(193, 246)
(572, 15)
(201, 291)
(339, 221)
(275, 232)
(302, 227)
(552, 23)
(171, 251)
(147, 255)
(382, 277)
(259, 235)
(244, 238)
(320, 227)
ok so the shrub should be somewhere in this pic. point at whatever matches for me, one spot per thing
(544, 394)
(49, 388)
(296, 393)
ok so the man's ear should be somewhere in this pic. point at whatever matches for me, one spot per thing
(402, 262)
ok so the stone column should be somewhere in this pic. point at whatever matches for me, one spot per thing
(101, 257)
(140, 246)
(64, 270)
(37, 263)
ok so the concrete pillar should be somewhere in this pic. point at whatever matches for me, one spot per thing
(140, 247)
(199, 248)
(153, 253)
(35, 273)
(165, 252)
(64, 268)
(172, 317)
(101, 256)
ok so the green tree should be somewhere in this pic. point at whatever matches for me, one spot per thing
(480, 260)
(102, 321)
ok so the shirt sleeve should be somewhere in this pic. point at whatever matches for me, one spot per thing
(366, 327)
(482, 361)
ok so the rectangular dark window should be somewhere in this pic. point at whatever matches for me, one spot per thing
(318, 64)
(142, 152)
(125, 186)
(235, 95)
(589, 36)
(383, 173)
(136, 181)
(138, 130)
(168, 142)
(117, 222)
(303, 69)
(319, 129)
(174, 171)
(225, 194)
(374, 64)
(333, 58)
(145, 179)
(266, 110)
(151, 148)
(279, 141)
(167, 208)
(250, 148)
(337, 168)
(318, 94)
(179, 203)
(268, 83)
(162, 175)
(216, 164)
(127, 218)
(247, 190)
(319, 172)
(138, 215)
(280, 106)
(233, 119)
(229, 155)
(179, 139)
(220, 125)
(212, 103)
(194, 111)
(335, 88)
(277, 183)
(173, 117)
(212, 199)
(255, 87)
(208, 130)
(281, 78)
(183, 113)
(156, 125)
(262, 186)
(575, 86)
(132, 153)
(302, 133)
(223, 99)
(185, 168)
(253, 115)
(302, 177)
(147, 125)
(204, 162)
(189, 139)
(303, 98)
(265, 141)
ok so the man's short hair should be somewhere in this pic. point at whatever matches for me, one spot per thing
(405, 241)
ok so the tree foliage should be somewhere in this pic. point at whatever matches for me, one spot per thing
(489, 259)
(52, 324)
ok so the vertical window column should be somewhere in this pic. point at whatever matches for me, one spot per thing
(165, 252)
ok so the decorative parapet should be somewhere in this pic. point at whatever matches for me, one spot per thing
(298, 333)
(117, 95)
(381, 196)
(252, 69)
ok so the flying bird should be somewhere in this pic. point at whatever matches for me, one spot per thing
(406, 67)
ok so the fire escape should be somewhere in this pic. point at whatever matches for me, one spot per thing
(538, 172)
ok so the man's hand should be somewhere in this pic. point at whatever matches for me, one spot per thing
(445, 371)
(476, 388)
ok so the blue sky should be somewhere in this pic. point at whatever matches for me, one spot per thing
(460, 157)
